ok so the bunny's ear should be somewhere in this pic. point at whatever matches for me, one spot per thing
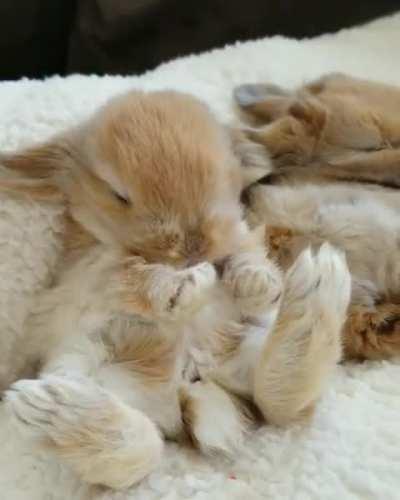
(253, 93)
(34, 171)
(262, 102)
(253, 157)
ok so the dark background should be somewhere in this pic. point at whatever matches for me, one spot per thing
(43, 37)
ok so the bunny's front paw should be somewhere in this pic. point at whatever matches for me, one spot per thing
(187, 291)
(255, 286)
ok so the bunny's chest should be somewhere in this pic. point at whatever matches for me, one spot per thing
(190, 349)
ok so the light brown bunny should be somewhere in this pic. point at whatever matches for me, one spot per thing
(155, 322)
(344, 130)
(339, 127)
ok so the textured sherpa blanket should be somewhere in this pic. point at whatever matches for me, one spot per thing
(351, 450)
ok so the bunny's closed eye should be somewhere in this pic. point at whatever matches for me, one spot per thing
(124, 200)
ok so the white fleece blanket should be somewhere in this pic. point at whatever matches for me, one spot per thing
(352, 448)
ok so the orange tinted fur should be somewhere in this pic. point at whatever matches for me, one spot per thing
(164, 290)
(184, 150)
(160, 274)
(336, 129)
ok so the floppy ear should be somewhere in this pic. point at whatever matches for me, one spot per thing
(253, 157)
(34, 171)
(262, 102)
(252, 93)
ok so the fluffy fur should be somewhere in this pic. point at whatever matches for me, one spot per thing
(336, 129)
(331, 457)
(160, 264)
(339, 127)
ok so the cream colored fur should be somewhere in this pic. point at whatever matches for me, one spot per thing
(336, 129)
(154, 325)
(361, 221)
(104, 420)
